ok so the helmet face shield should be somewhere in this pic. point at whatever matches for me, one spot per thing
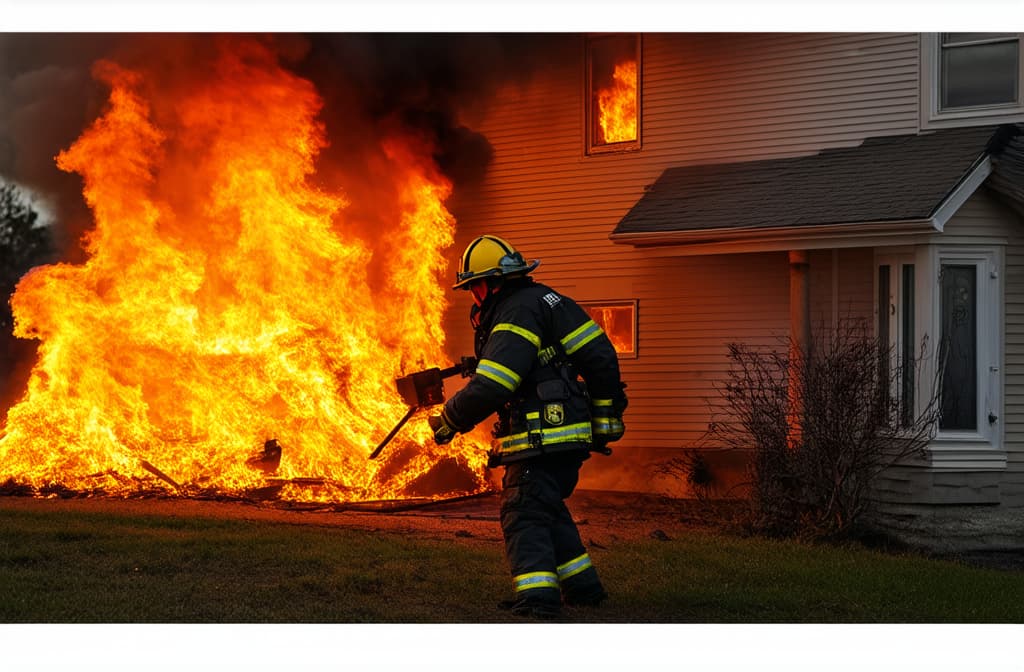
(490, 256)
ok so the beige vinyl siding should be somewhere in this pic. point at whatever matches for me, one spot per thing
(705, 98)
(983, 219)
(733, 97)
(1013, 372)
(842, 287)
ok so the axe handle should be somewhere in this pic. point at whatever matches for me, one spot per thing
(391, 434)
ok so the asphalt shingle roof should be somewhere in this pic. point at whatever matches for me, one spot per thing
(885, 179)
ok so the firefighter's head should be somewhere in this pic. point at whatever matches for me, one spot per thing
(488, 261)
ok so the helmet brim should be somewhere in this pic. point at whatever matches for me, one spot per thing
(464, 283)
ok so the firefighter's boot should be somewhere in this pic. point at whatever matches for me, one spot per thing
(545, 603)
(583, 588)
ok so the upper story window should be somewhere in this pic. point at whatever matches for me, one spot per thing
(979, 69)
(971, 76)
(613, 93)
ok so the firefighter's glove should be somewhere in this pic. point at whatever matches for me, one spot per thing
(443, 432)
(606, 421)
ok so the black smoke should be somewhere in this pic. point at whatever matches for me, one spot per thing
(427, 83)
(433, 86)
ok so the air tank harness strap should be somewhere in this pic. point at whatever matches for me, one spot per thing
(534, 432)
(547, 354)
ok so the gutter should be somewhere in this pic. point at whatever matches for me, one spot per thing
(775, 239)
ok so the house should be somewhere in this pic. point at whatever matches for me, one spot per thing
(763, 183)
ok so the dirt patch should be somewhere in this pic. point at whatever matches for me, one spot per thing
(603, 518)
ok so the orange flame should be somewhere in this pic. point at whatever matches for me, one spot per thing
(616, 104)
(227, 301)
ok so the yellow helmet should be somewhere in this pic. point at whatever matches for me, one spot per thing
(489, 256)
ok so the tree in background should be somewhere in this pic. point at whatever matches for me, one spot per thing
(23, 244)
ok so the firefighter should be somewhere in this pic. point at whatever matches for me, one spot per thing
(552, 376)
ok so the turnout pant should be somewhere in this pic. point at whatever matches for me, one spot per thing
(543, 546)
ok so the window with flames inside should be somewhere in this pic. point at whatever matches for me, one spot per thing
(613, 93)
(618, 320)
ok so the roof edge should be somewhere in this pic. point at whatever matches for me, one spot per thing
(731, 240)
(963, 190)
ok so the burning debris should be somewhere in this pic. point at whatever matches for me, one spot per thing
(229, 295)
(268, 459)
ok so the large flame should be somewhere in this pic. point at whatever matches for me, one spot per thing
(227, 301)
(616, 104)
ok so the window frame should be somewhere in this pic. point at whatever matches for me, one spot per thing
(981, 449)
(988, 328)
(896, 338)
(590, 147)
(931, 89)
(634, 326)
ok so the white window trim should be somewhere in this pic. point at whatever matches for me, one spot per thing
(984, 449)
(895, 259)
(933, 118)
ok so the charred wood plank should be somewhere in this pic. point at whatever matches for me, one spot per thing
(159, 474)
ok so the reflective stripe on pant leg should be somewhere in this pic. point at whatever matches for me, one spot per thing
(576, 573)
(526, 524)
(535, 580)
(574, 567)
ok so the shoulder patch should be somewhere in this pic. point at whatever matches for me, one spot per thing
(552, 298)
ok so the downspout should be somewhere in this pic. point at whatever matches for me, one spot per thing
(800, 337)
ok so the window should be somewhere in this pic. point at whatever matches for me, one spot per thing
(897, 334)
(967, 321)
(958, 315)
(971, 76)
(978, 69)
(949, 300)
(613, 93)
(618, 320)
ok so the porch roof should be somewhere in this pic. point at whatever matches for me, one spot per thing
(883, 181)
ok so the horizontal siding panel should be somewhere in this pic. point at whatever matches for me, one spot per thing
(985, 216)
(706, 99)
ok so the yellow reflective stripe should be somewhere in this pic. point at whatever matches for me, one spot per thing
(607, 426)
(580, 431)
(581, 336)
(601, 402)
(535, 580)
(502, 375)
(525, 333)
(533, 415)
(574, 567)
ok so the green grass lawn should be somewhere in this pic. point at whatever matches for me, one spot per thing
(77, 567)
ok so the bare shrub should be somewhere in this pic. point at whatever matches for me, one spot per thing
(693, 469)
(814, 461)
